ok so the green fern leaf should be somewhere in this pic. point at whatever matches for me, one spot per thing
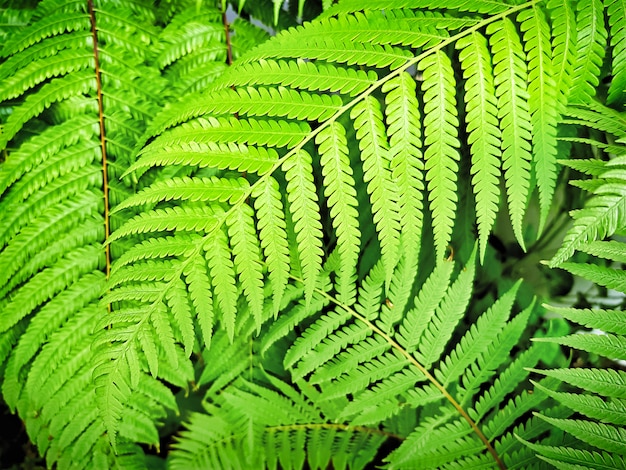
(246, 252)
(197, 278)
(606, 345)
(611, 278)
(617, 23)
(543, 99)
(506, 382)
(341, 199)
(300, 74)
(56, 90)
(605, 437)
(510, 77)
(47, 26)
(190, 189)
(447, 315)
(440, 139)
(154, 248)
(29, 76)
(349, 6)
(607, 382)
(305, 213)
(483, 130)
(331, 333)
(598, 116)
(223, 279)
(273, 236)
(54, 313)
(48, 283)
(482, 370)
(370, 132)
(228, 130)
(184, 218)
(477, 339)
(148, 271)
(611, 321)
(222, 156)
(612, 249)
(608, 411)
(177, 301)
(403, 121)
(562, 15)
(428, 300)
(590, 49)
(598, 219)
(567, 457)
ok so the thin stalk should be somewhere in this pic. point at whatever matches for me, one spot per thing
(105, 177)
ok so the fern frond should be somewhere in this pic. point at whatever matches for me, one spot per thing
(56, 90)
(448, 313)
(226, 130)
(223, 156)
(429, 298)
(81, 81)
(543, 99)
(190, 189)
(607, 277)
(616, 11)
(183, 218)
(598, 219)
(590, 51)
(606, 320)
(440, 139)
(246, 252)
(567, 457)
(562, 14)
(404, 129)
(611, 410)
(273, 236)
(350, 6)
(484, 132)
(52, 25)
(603, 436)
(473, 344)
(370, 132)
(305, 212)
(304, 75)
(510, 76)
(599, 394)
(341, 199)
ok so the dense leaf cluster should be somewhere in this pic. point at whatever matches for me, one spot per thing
(319, 249)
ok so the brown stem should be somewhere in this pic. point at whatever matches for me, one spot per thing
(229, 48)
(105, 178)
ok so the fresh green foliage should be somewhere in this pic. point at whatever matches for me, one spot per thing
(316, 249)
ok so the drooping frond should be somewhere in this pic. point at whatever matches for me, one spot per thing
(543, 98)
(510, 75)
(440, 139)
(484, 133)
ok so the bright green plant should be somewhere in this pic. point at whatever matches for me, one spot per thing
(318, 249)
